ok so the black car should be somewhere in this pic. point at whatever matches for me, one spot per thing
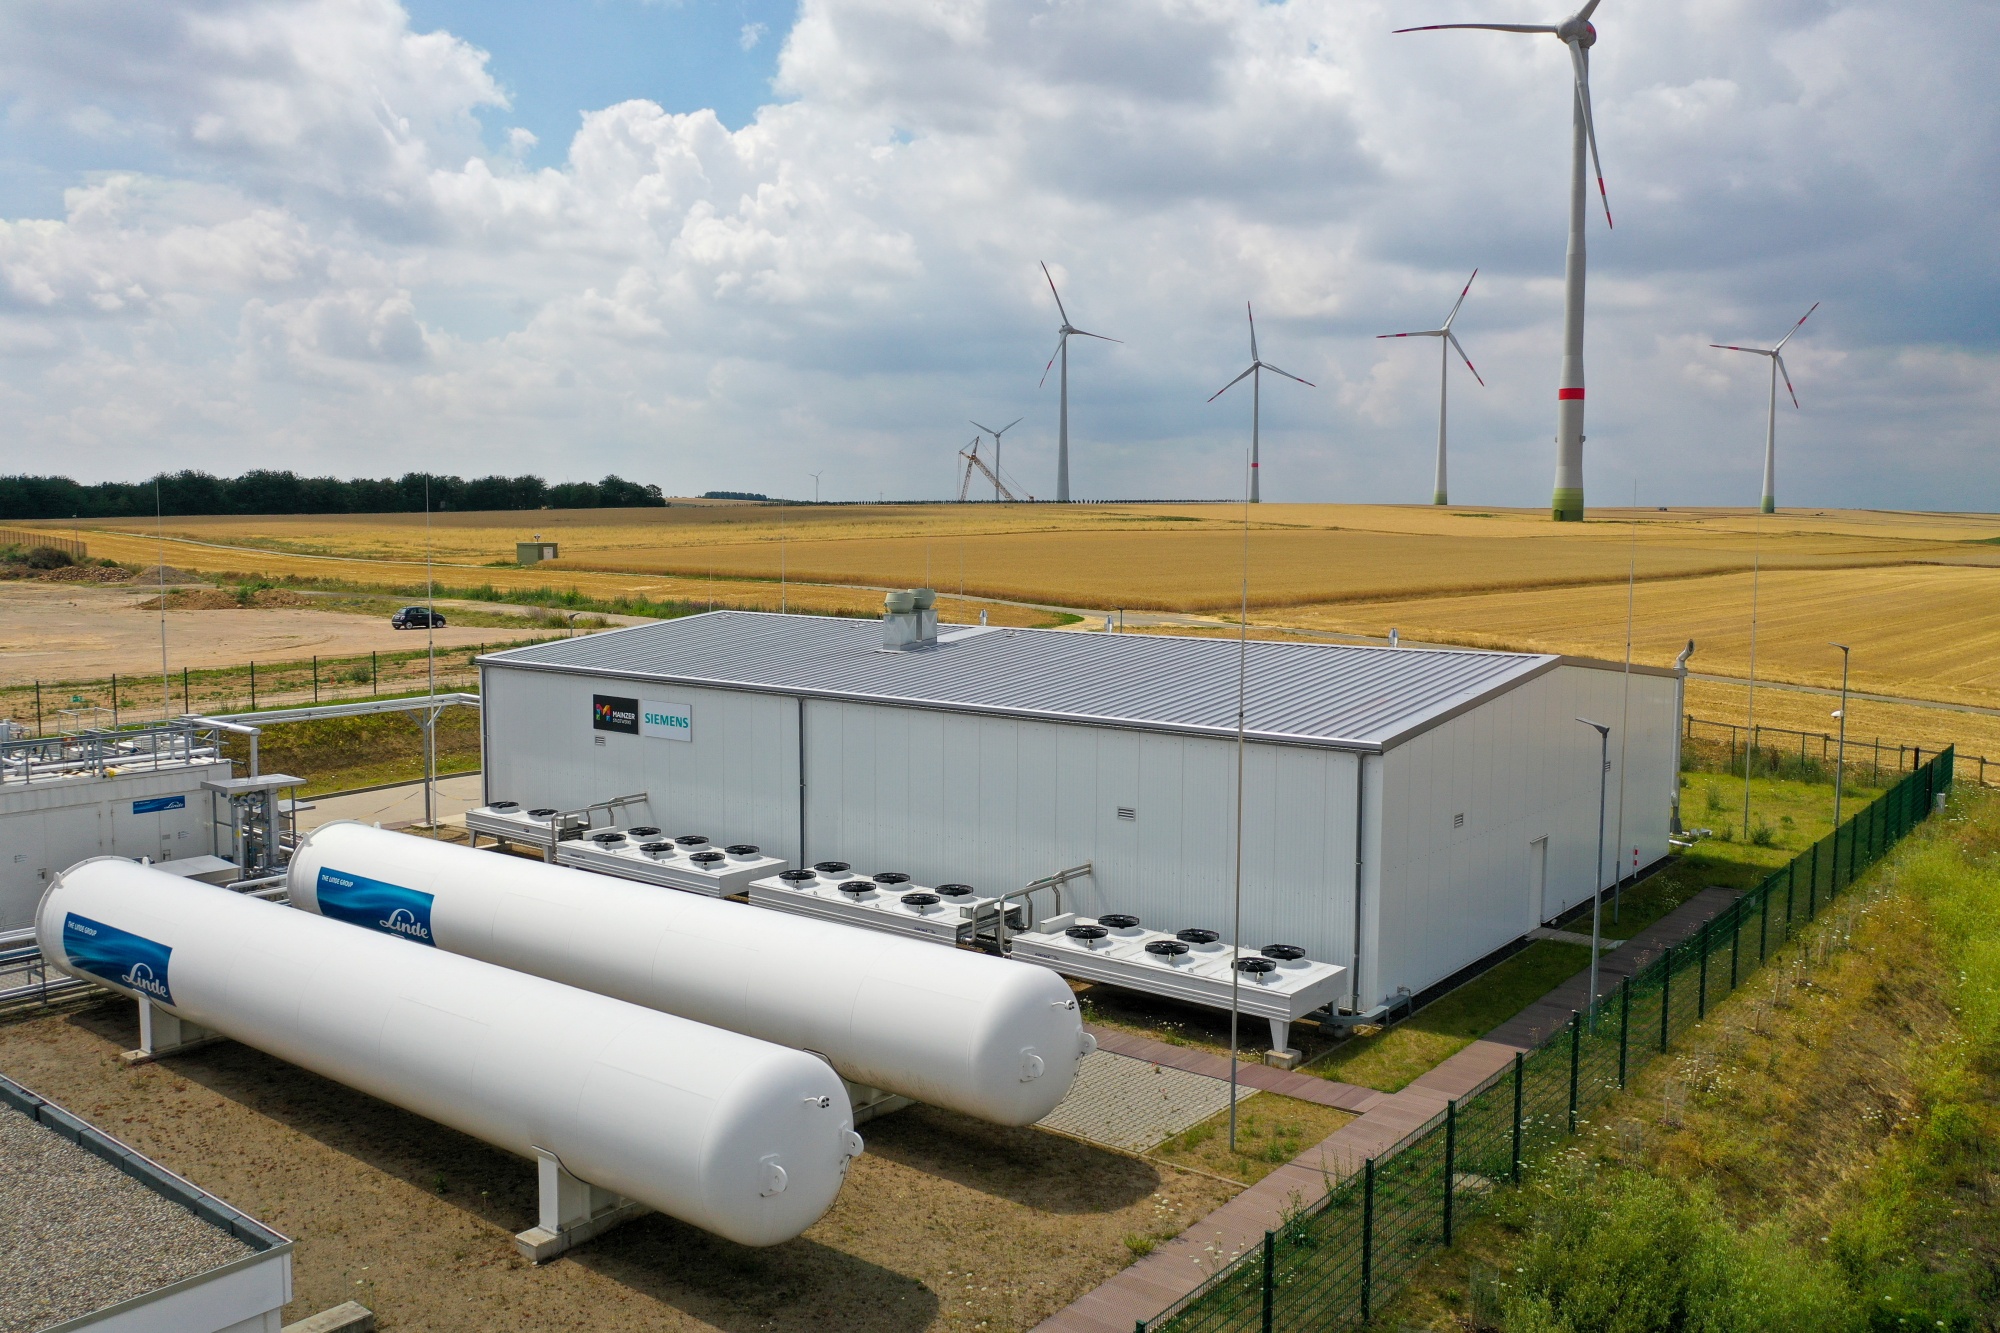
(416, 617)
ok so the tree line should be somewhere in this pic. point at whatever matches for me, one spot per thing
(268, 492)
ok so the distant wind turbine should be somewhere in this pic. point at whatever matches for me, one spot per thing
(1579, 36)
(996, 434)
(1770, 502)
(1447, 340)
(1255, 375)
(1062, 354)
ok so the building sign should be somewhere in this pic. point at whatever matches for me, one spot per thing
(610, 713)
(375, 904)
(153, 805)
(119, 956)
(666, 721)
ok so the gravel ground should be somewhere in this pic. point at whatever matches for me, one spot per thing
(945, 1223)
(68, 1223)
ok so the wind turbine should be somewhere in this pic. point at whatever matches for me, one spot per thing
(1576, 33)
(1770, 503)
(1446, 341)
(996, 434)
(1062, 354)
(1256, 377)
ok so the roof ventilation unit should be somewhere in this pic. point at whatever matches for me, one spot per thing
(688, 863)
(1278, 983)
(947, 914)
(909, 620)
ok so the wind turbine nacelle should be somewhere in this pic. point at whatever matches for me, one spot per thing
(1579, 31)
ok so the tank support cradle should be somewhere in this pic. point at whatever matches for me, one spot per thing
(162, 1033)
(572, 1211)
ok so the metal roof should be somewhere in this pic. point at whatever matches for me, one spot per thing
(1334, 695)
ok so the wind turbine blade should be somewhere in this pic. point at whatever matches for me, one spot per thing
(1788, 378)
(1754, 351)
(1009, 426)
(987, 429)
(1058, 295)
(1452, 338)
(1233, 383)
(1287, 374)
(1419, 333)
(1100, 337)
(1460, 301)
(1253, 329)
(1484, 27)
(1795, 328)
(1582, 64)
(1052, 360)
(1588, 9)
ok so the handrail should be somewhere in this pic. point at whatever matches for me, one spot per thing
(1026, 893)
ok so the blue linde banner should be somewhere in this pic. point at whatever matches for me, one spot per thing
(389, 908)
(153, 805)
(132, 961)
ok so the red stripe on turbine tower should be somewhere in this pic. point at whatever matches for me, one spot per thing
(1564, 395)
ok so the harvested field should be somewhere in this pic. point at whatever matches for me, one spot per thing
(944, 1223)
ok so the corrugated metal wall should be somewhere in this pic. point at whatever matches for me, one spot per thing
(736, 781)
(1518, 769)
(996, 803)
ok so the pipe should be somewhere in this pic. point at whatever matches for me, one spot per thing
(1680, 725)
(739, 1137)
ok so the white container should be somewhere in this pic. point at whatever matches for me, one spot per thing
(981, 1035)
(684, 1118)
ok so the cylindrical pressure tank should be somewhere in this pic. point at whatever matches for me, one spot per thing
(995, 1039)
(740, 1137)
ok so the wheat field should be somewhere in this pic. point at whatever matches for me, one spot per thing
(1917, 595)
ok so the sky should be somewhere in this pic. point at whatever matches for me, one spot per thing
(728, 244)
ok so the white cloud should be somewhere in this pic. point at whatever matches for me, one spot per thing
(327, 255)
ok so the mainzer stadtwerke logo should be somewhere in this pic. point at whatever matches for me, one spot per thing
(608, 712)
(389, 908)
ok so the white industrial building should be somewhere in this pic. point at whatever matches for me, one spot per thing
(1406, 811)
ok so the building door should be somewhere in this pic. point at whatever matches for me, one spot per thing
(1538, 879)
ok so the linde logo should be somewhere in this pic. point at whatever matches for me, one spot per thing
(389, 908)
(666, 721)
(131, 961)
(608, 712)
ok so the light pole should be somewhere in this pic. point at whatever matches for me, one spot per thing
(1840, 755)
(1597, 870)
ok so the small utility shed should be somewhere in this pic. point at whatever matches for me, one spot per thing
(1406, 811)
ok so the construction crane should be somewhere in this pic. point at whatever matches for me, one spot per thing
(974, 463)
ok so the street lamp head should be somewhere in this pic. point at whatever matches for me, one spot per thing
(1602, 730)
(1831, 644)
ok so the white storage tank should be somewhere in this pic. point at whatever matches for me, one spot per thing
(994, 1039)
(740, 1137)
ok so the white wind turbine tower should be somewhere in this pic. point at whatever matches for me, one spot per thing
(1447, 340)
(1062, 354)
(1256, 378)
(996, 434)
(1770, 502)
(1576, 33)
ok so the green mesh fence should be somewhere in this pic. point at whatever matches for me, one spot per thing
(1339, 1260)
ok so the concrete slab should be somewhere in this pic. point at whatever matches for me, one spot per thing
(1133, 1104)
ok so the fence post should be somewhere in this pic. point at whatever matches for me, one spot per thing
(1764, 908)
(1624, 1027)
(1270, 1284)
(1367, 1239)
(38, 708)
(1450, 1162)
(315, 677)
(187, 700)
(1701, 992)
(1515, 1165)
(1575, 1058)
(1735, 938)
(253, 687)
(1666, 993)
(1812, 886)
(374, 681)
